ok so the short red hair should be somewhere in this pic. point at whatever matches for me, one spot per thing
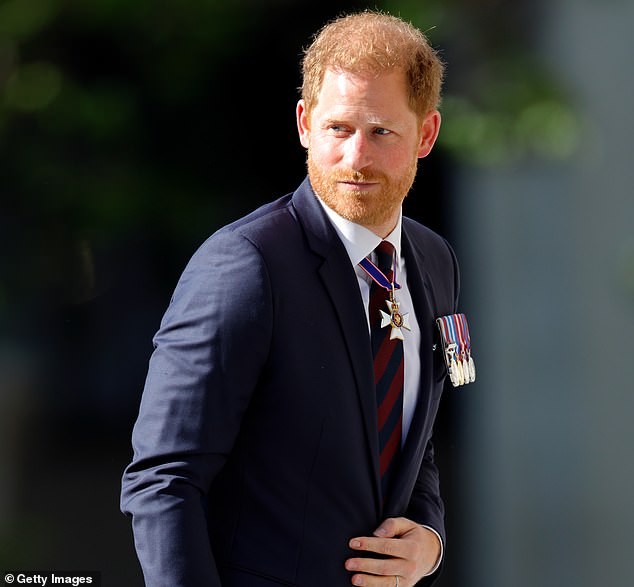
(374, 42)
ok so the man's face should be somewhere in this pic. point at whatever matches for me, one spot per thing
(363, 143)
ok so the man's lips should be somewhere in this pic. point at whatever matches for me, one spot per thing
(358, 184)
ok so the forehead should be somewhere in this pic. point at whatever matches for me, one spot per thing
(383, 95)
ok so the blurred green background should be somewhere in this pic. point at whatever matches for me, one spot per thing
(130, 131)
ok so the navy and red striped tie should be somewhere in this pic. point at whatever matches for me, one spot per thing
(388, 373)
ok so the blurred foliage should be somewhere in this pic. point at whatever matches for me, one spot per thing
(111, 125)
(501, 101)
(128, 119)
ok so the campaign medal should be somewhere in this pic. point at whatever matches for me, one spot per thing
(454, 334)
(452, 366)
(464, 361)
(467, 341)
(395, 318)
(461, 373)
(457, 364)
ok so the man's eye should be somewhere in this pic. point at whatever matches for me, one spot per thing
(382, 131)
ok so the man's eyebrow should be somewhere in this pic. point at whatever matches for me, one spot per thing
(379, 122)
(333, 121)
(371, 121)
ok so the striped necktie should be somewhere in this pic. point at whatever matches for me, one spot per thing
(388, 373)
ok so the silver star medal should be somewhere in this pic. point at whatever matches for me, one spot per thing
(394, 319)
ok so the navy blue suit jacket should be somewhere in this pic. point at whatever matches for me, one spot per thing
(255, 449)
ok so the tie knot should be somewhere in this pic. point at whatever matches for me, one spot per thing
(385, 256)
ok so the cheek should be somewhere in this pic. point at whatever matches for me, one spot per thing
(324, 153)
(402, 159)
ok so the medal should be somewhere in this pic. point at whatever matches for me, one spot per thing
(471, 369)
(461, 373)
(450, 360)
(395, 319)
(464, 361)
(454, 334)
(464, 329)
(453, 372)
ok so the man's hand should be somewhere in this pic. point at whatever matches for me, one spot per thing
(412, 552)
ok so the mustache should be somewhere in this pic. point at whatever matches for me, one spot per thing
(357, 176)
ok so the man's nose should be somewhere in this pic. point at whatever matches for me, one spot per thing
(357, 152)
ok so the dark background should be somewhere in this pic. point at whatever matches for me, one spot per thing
(129, 132)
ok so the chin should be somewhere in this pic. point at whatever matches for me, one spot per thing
(361, 213)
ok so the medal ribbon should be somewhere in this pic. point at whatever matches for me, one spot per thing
(462, 332)
(378, 276)
(462, 343)
(466, 333)
(454, 336)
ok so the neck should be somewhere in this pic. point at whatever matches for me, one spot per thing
(385, 228)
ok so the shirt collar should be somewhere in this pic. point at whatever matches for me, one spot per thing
(358, 240)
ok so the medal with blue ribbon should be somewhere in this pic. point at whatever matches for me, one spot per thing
(395, 318)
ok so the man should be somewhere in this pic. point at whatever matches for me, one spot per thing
(284, 435)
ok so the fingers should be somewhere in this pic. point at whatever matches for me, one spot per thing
(408, 551)
(372, 581)
(382, 572)
(387, 546)
(394, 527)
(379, 572)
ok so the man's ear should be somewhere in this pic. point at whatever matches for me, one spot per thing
(429, 133)
(303, 125)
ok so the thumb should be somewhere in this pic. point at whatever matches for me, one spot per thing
(394, 527)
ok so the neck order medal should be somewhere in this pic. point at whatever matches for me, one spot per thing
(394, 319)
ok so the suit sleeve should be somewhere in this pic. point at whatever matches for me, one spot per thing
(426, 506)
(209, 351)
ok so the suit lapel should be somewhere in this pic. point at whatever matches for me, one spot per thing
(340, 282)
